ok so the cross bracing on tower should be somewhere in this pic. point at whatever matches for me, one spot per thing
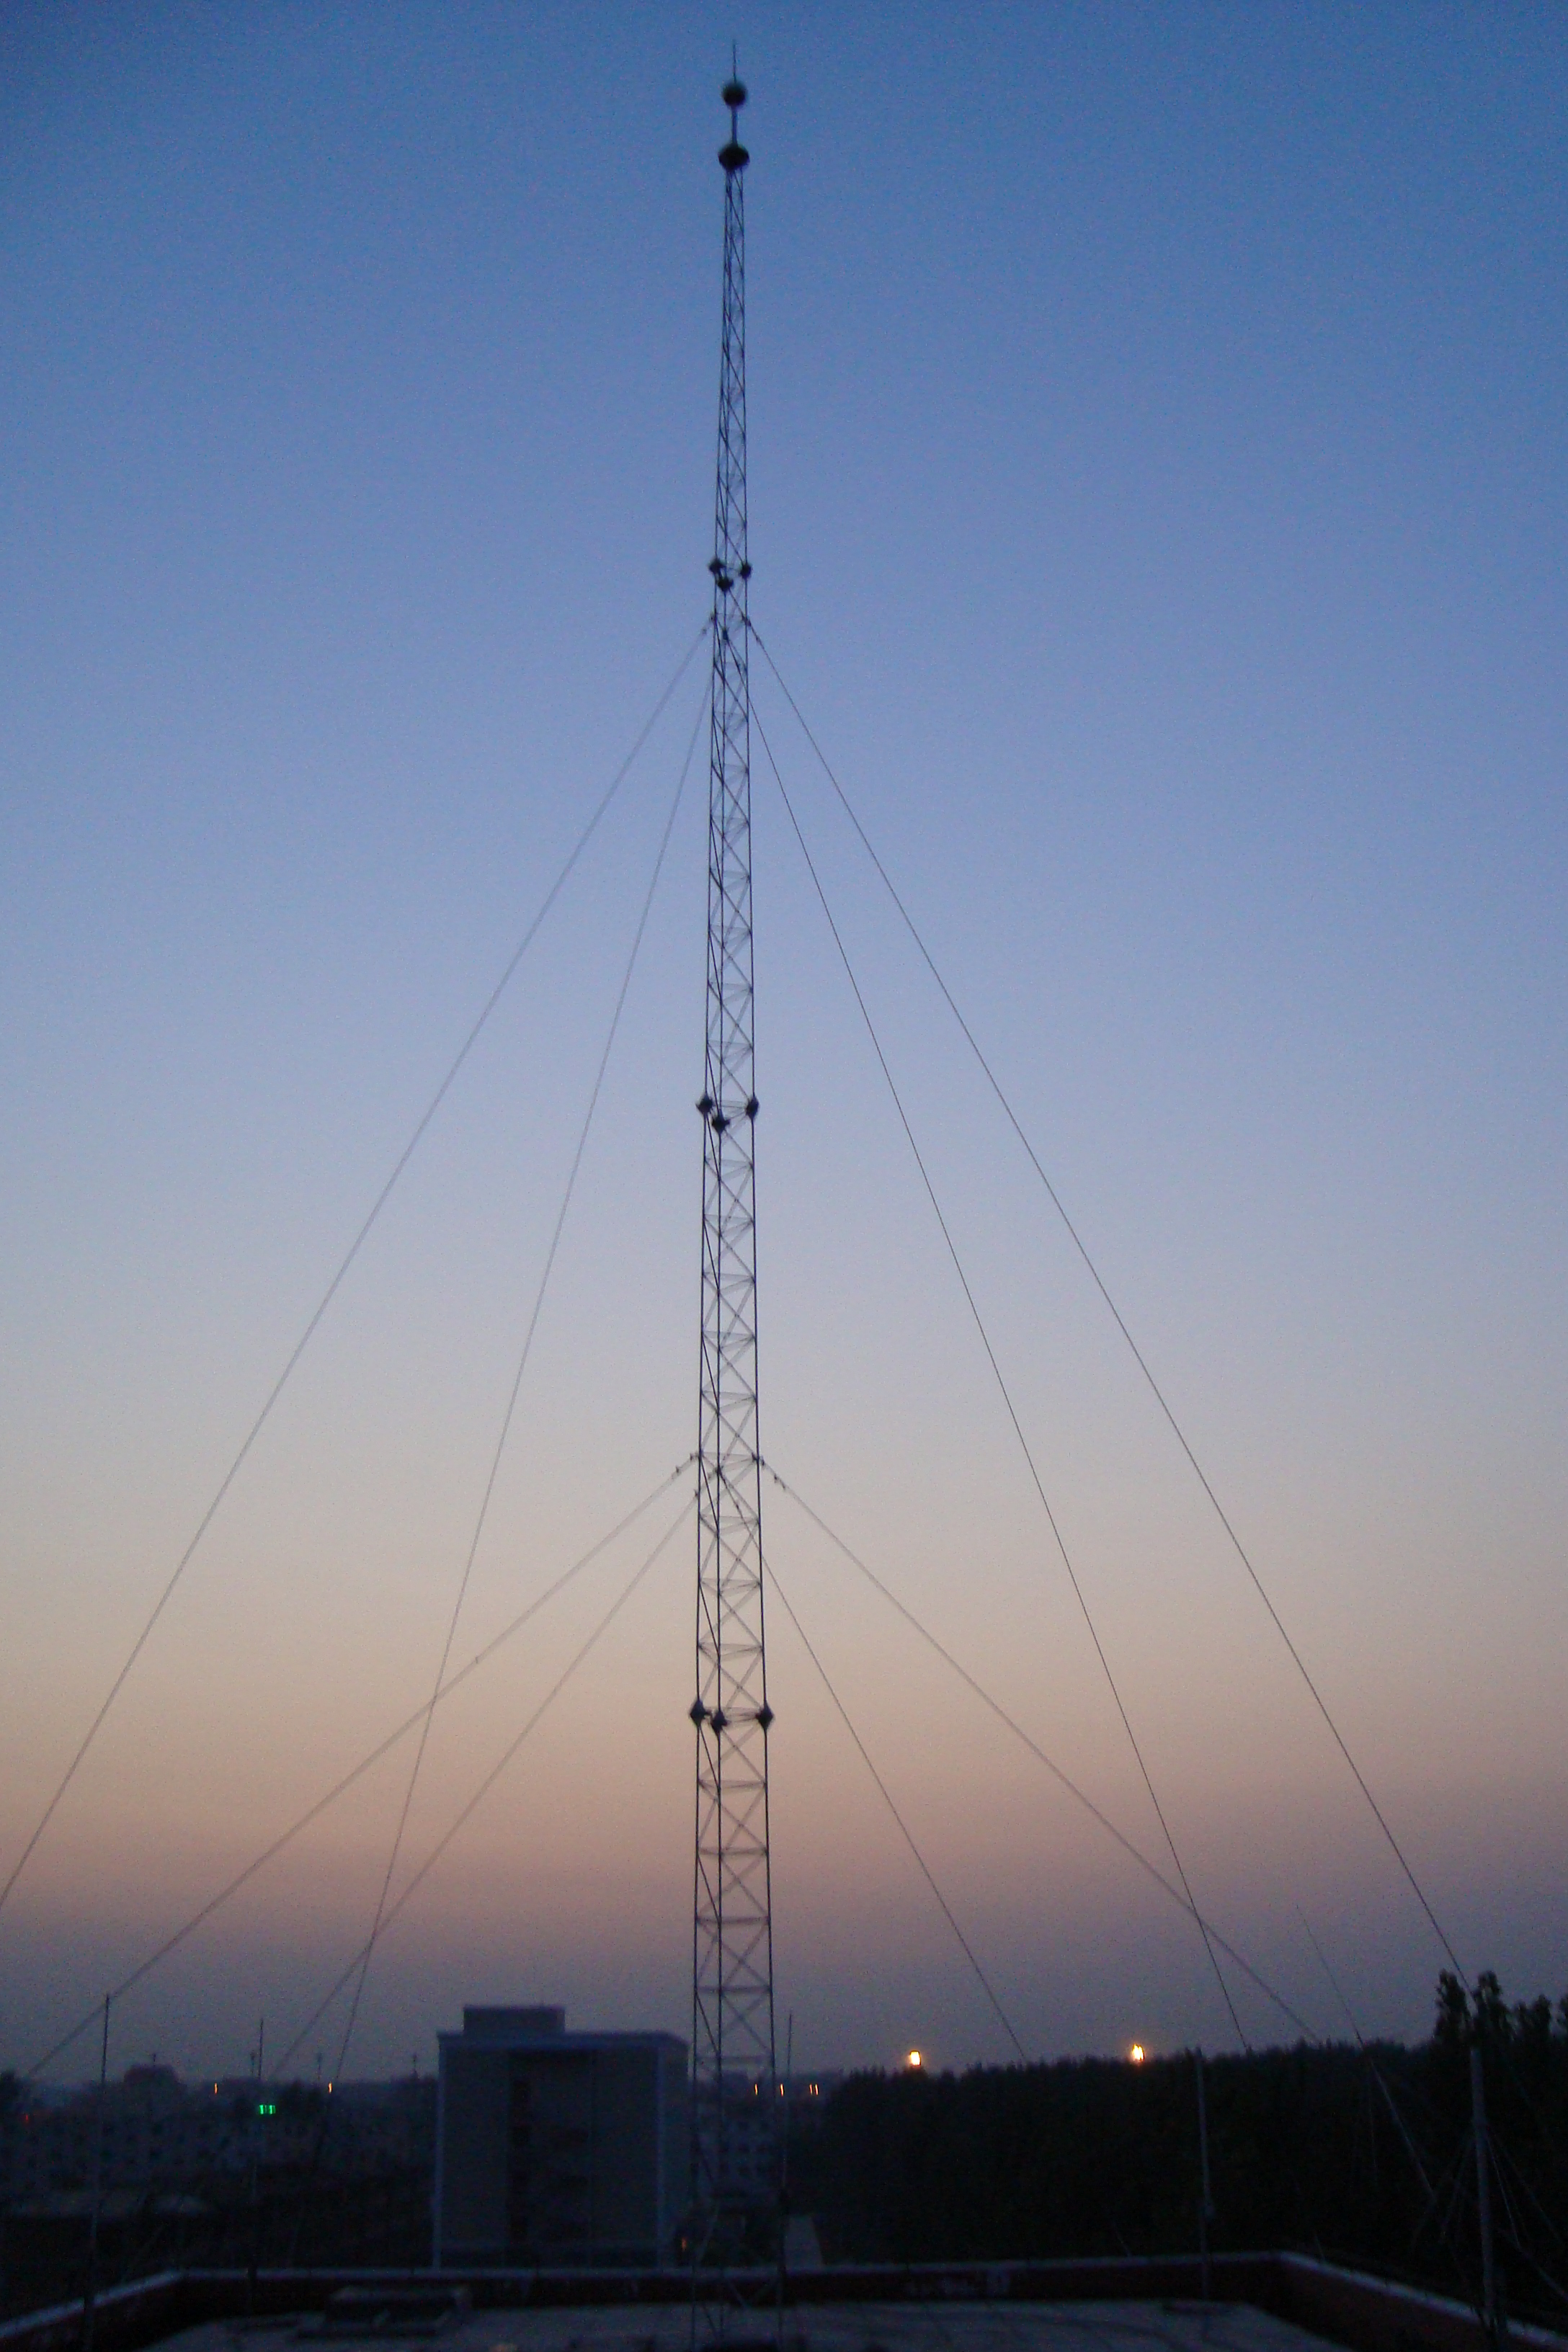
(733, 2037)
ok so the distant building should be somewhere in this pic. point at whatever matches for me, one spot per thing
(151, 2131)
(156, 2134)
(749, 2157)
(556, 2148)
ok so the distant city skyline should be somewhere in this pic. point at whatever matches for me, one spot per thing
(1157, 499)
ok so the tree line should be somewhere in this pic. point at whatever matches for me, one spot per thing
(1361, 2154)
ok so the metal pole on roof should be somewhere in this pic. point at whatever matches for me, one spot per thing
(1206, 2193)
(90, 2291)
(1490, 2312)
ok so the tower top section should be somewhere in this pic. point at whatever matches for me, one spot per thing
(733, 156)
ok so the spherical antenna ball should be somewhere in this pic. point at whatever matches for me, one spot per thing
(734, 93)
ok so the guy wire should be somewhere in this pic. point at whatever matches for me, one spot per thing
(215, 1902)
(1079, 1796)
(1001, 1385)
(904, 1829)
(491, 1777)
(437, 1100)
(1159, 1395)
(522, 1367)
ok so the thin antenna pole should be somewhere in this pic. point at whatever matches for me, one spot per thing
(1489, 2315)
(1206, 2193)
(254, 2262)
(89, 2291)
(787, 2107)
(732, 2049)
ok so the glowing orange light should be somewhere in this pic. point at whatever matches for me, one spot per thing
(913, 2062)
(1136, 2053)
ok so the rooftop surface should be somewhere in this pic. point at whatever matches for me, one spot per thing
(823, 2328)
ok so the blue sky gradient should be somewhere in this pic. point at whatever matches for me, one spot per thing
(1158, 507)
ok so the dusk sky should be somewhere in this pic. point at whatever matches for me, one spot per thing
(1158, 426)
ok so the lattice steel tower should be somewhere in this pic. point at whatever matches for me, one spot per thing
(732, 1970)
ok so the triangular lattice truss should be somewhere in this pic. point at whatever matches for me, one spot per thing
(735, 2093)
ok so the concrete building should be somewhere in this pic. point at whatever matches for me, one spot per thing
(556, 2148)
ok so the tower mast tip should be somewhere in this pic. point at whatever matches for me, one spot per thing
(733, 156)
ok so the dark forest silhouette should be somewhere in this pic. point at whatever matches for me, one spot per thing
(1358, 2154)
(1361, 2154)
